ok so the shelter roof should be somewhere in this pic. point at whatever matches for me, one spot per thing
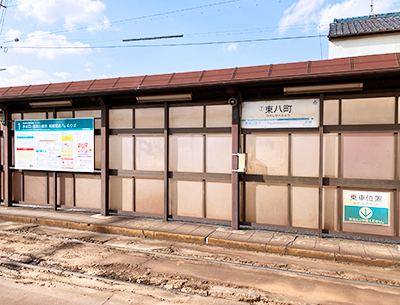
(299, 71)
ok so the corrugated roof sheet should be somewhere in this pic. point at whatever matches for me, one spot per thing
(281, 72)
(365, 25)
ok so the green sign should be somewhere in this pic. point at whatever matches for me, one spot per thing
(366, 207)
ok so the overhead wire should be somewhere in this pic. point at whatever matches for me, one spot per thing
(167, 45)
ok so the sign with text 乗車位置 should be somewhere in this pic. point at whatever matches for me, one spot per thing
(54, 144)
(281, 114)
(366, 207)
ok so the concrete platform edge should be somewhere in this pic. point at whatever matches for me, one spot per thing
(151, 234)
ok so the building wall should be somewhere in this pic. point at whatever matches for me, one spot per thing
(364, 45)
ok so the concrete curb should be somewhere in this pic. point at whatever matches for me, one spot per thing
(151, 234)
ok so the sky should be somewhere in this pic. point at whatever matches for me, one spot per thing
(72, 40)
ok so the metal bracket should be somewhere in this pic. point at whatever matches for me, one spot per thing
(242, 163)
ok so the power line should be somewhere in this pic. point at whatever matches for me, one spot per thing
(153, 38)
(170, 44)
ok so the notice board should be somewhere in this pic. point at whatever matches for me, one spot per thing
(54, 145)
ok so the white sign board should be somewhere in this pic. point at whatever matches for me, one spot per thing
(281, 114)
(55, 145)
(366, 207)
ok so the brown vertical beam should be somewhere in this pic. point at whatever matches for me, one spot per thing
(105, 177)
(339, 190)
(7, 159)
(166, 161)
(235, 163)
(321, 165)
(54, 174)
(289, 200)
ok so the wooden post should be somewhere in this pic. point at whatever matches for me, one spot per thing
(105, 177)
(235, 163)
(166, 161)
(321, 166)
(55, 173)
(7, 158)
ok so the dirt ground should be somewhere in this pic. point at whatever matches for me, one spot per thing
(189, 273)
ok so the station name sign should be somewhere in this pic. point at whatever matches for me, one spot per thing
(54, 145)
(302, 113)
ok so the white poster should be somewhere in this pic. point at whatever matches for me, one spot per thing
(281, 114)
(55, 145)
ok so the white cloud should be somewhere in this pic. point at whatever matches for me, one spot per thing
(71, 12)
(108, 66)
(19, 76)
(305, 12)
(55, 45)
(63, 75)
(228, 48)
(353, 8)
(89, 66)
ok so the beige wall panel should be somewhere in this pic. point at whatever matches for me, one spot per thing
(88, 191)
(219, 200)
(368, 156)
(267, 154)
(97, 152)
(189, 198)
(34, 116)
(331, 155)
(35, 187)
(16, 187)
(331, 112)
(305, 207)
(186, 153)
(149, 118)
(219, 116)
(329, 208)
(15, 116)
(121, 152)
(149, 196)
(121, 118)
(149, 153)
(219, 154)
(90, 114)
(305, 155)
(64, 189)
(64, 114)
(368, 111)
(267, 204)
(180, 117)
(121, 194)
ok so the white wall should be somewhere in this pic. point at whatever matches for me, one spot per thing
(364, 45)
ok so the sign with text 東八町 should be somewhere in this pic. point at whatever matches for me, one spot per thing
(281, 114)
(366, 207)
(55, 145)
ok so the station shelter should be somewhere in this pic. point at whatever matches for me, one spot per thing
(309, 146)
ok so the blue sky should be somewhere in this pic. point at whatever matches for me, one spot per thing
(70, 40)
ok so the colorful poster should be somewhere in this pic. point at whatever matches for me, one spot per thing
(281, 114)
(55, 145)
(366, 207)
